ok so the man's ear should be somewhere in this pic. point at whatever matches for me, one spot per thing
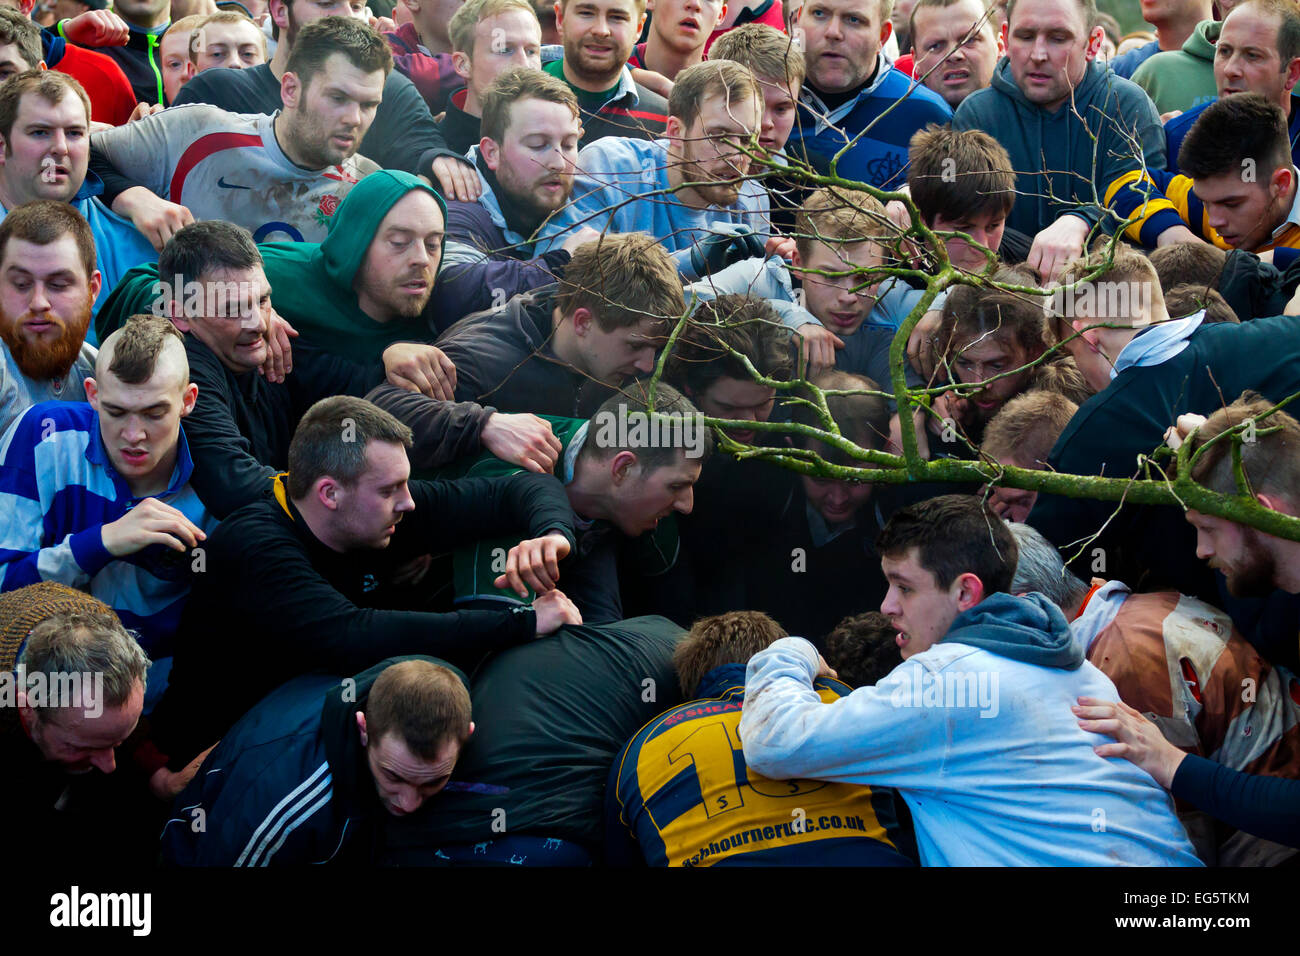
(1095, 39)
(969, 590)
(1292, 74)
(460, 63)
(412, 5)
(96, 283)
(92, 393)
(471, 730)
(1002, 36)
(886, 30)
(188, 398)
(491, 152)
(621, 465)
(279, 12)
(1279, 184)
(582, 321)
(27, 6)
(176, 312)
(361, 728)
(290, 89)
(1276, 503)
(329, 493)
(674, 129)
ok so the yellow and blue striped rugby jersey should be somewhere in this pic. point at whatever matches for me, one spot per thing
(682, 789)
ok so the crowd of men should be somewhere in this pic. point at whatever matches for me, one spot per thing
(442, 434)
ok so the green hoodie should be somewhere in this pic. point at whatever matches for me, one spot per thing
(1181, 79)
(311, 282)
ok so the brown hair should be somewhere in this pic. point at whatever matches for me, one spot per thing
(1184, 300)
(1197, 263)
(1026, 428)
(731, 638)
(959, 173)
(360, 45)
(767, 52)
(631, 405)
(423, 704)
(862, 649)
(622, 279)
(1061, 375)
(464, 22)
(136, 346)
(953, 535)
(1129, 269)
(21, 32)
(1271, 462)
(514, 86)
(332, 437)
(44, 221)
(973, 313)
(697, 83)
(862, 419)
(839, 217)
(49, 85)
(706, 349)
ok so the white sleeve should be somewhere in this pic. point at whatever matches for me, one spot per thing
(148, 150)
(876, 735)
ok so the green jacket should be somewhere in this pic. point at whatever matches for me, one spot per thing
(1181, 79)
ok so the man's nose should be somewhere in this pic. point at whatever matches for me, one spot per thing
(645, 364)
(105, 761)
(685, 501)
(889, 606)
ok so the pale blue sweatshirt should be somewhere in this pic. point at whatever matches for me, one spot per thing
(982, 746)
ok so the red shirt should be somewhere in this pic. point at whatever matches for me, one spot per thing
(111, 97)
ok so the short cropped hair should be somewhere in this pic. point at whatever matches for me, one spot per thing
(1184, 300)
(221, 16)
(697, 83)
(622, 279)
(1271, 462)
(862, 650)
(85, 642)
(1026, 428)
(839, 217)
(959, 173)
(332, 438)
(1129, 270)
(22, 32)
(1197, 263)
(678, 434)
(744, 323)
(44, 221)
(514, 86)
(1039, 568)
(977, 314)
(464, 22)
(137, 346)
(423, 704)
(767, 52)
(186, 25)
(953, 535)
(731, 638)
(1231, 132)
(862, 419)
(1087, 7)
(363, 47)
(989, 21)
(203, 248)
(50, 85)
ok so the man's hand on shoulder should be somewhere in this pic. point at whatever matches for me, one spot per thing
(154, 216)
(534, 564)
(522, 439)
(554, 610)
(421, 368)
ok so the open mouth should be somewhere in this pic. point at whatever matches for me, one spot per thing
(132, 457)
(953, 77)
(689, 25)
(843, 320)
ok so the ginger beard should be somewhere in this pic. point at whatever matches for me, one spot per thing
(50, 354)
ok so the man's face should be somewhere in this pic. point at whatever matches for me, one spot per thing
(433, 20)
(405, 780)
(503, 42)
(1095, 349)
(916, 605)
(598, 37)
(11, 61)
(644, 499)
(229, 46)
(535, 161)
(841, 40)
(987, 358)
(614, 357)
(1239, 552)
(45, 299)
(236, 315)
(738, 399)
(78, 742)
(1246, 58)
(955, 58)
(327, 121)
(710, 148)
(1013, 504)
(836, 501)
(1049, 49)
(295, 15)
(140, 424)
(684, 25)
(370, 509)
(177, 69)
(402, 262)
(984, 228)
(1244, 214)
(48, 149)
(780, 106)
(841, 303)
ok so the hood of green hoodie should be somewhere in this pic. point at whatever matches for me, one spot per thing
(1201, 43)
(1029, 628)
(355, 222)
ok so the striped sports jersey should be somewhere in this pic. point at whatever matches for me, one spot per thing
(682, 788)
(58, 488)
(229, 166)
